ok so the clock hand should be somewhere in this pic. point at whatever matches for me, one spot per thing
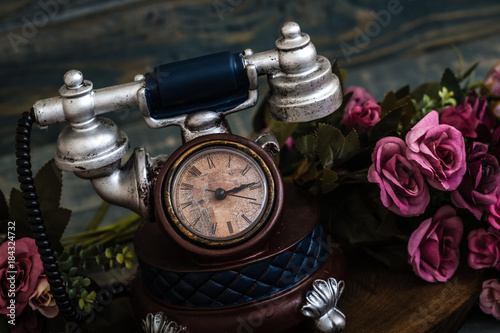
(220, 194)
(241, 187)
(239, 196)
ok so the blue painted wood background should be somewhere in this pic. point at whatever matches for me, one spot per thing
(383, 44)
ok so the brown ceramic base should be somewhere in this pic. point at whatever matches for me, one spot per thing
(275, 314)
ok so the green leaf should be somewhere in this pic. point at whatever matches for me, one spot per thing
(17, 211)
(333, 148)
(350, 147)
(387, 125)
(403, 92)
(282, 131)
(341, 74)
(468, 72)
(450, 81)
(329, 181)
(48, 183)
(392, 102)
(408, 112)
(336, 117)
(330, 141)
(4, 209)
(307, 145)
(48, 186)
(430, 89)
(305, 174)
(388, 104)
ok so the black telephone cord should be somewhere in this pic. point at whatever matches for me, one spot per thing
(51, 269)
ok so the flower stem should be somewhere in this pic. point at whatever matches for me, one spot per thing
(98, 217)
(123, 230)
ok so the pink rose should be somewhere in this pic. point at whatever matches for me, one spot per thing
(439, 150)
(28, 267)
(495, 143)
(402, 186)
(433, 246)
(43, 300)
(484, 115)
(484, 249)
(359, 96)
(494, 216)
(489, 299)
(462, 118)
(365, 116)
(491, 85)
(479, 185)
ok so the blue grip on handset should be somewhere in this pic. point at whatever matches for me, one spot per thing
(216, 82)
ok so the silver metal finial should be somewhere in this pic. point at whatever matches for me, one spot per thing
(73, 79)
(321, 306)
(158, 323)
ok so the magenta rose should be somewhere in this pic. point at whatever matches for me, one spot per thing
(365, 116)
(479, 186)
(433, 246)
(484, 249)
(491, 85)
(486, 119)
(494, 213)
(495, 143)
(439, 150)
(402, 186)
(489, 299)
(28, 267)
(358, 98)
(462, 118)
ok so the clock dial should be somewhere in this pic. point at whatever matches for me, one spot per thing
(220, 194)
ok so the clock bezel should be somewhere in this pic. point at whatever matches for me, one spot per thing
(167, 218)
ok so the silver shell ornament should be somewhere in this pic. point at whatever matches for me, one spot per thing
(321, 306)
(159, 323)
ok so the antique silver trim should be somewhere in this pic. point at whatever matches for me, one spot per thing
(321, 306)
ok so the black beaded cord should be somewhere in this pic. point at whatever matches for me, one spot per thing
(51, 269)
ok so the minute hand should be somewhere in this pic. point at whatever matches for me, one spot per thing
(233, 195)
(241, 187)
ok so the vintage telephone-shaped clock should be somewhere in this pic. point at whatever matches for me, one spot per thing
(224, 245)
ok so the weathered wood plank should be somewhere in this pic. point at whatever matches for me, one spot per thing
(378, 300)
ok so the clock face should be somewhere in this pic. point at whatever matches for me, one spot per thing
(220, 194)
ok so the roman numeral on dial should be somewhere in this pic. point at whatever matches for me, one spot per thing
(186, 187)
(194, 171)
(211, 164)
(245, 170)
(186, 204)
(230, 227)
(213, 228)
(246, 218)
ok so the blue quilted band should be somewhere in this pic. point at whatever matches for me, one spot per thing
(256, 281)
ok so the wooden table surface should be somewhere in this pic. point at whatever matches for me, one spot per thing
(111, 41)
(379, 300)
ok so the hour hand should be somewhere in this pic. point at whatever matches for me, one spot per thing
(241, 187)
